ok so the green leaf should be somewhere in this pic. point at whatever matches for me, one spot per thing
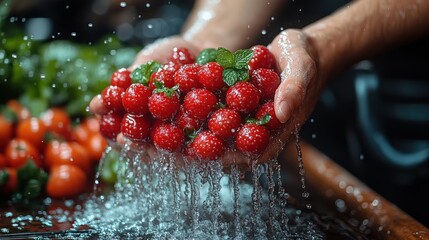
(32, 189)
(242, 74)
(242, 58)
(161, 88)
(143, 72)
(230, 76)
(27, 172)
(261, 121)
(31, 180)
(4, 177)
(225, 58)
(206, 55)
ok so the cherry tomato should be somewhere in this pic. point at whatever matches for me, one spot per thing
(20, 111)
(88, 135)
(81, 133)
(66, 181)
(95, 145)
(33, 130)
(58, 121)
(12, 182)
(19, 151)
(6, 131)
(92, 124)
(59, 153)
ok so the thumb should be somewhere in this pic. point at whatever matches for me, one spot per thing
(297, 70)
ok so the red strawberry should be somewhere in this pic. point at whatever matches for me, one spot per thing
(225, 122)
(155, 124)
(112, 98)
(267, 81)
(110, 125)
(171, 66)
(210, 76)
(199, 103)
(187, 77)
(252, 138)
(136, 128)
(208, 146)
(182, 56)
(243, 97)
(187, 123)
(168, 137)
(164, 102)
(262, 58)
(121, 78)
(268, 108)
(165, 76)
(136, 98)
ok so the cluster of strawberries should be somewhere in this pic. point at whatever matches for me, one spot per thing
(200, 106)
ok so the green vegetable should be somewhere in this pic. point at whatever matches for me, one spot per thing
(235, 64)
(31, 181)
(110, 166)
(58, 72)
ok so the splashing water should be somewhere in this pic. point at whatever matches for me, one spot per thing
(168, 197)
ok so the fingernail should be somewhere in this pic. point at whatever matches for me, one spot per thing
(284, 111)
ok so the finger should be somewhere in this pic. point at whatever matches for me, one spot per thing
(96, 106)
(288, 97)
(298, 68)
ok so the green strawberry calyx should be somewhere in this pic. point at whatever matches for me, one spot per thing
(261, 121)
(161, 88)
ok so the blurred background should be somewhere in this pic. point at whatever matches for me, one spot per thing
(373, 119)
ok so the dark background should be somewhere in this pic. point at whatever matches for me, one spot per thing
(373, 119)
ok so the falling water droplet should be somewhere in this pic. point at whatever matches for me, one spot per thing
(123, 4)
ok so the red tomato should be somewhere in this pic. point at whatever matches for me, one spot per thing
(66, 181)
(88, 135)
(58, 121)
(80, 133)
(59, 153)
(6, 131)
(92, 124)
(19, 151)
(33, 130)
(20, 111)
(95, 145)
(12, 182)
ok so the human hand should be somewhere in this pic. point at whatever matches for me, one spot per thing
(301, 85)
(157, 51)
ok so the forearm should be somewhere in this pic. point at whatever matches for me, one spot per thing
(231, 24)
(364, 29)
